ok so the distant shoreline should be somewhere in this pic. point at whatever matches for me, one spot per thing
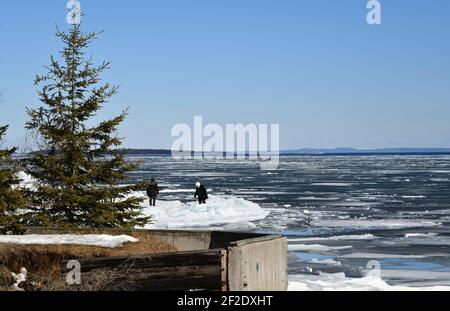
(380, 152)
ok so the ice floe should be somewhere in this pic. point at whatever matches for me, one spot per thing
(375, 223)
(340, 282)
(316, 248)
(365, 237)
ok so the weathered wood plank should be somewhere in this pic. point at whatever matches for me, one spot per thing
(169, 284)
(209, 257)
(173, 272)
(169, 278)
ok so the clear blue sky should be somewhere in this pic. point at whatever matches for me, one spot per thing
(313, 66)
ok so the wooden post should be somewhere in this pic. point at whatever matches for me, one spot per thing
(224, 270)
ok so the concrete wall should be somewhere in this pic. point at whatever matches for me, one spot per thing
(182, 240)
(258, 264)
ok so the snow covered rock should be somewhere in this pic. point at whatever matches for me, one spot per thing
(20, 278)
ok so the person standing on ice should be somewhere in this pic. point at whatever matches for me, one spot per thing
(200, 193)
(152, 191)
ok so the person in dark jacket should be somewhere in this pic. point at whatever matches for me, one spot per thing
(200, 193)
(152, 191)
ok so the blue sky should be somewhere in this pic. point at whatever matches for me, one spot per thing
(313, 66)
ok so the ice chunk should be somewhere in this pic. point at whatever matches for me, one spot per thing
(219, 210)
(339, 282)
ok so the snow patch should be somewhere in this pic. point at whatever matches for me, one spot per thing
(102, 240)
(26, 181)
(20, 278)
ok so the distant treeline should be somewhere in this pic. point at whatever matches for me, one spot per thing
(314, 152)
(148, 152)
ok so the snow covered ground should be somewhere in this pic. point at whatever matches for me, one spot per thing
(67, 239)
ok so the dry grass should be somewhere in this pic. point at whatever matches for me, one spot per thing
(6, 279)
(44, 262)
(96, 280)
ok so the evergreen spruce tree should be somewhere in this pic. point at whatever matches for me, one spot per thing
(11, 198)
(81, 168)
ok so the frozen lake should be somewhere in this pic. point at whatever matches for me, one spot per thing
(339, 212)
